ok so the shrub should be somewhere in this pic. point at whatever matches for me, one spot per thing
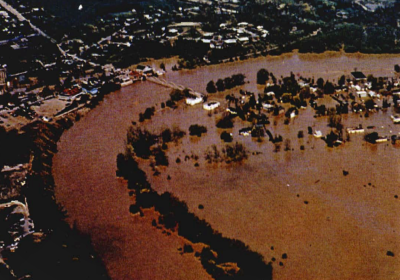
(160, 157)
(177, 133)
(226, 137)
(166, 135)
(134, 209)
(262, 76)
(225, 121)
(170, 104)
(177, 94)
(140, 141)
(187, 248)
(211, 88)
(197, 130)
(220, 85)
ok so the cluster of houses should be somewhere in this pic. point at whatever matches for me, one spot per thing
(11, 28)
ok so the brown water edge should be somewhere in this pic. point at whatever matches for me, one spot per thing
(349, 226)
(329, 65)
(98, 203)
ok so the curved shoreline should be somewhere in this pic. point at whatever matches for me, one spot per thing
(116, 235)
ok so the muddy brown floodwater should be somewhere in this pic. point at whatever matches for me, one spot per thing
(294, 202)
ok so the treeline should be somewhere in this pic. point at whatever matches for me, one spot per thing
(227, 83)
(174, 215)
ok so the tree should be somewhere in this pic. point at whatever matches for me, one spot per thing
(140, 141)
(238, 79)
(176, 95)
(197, 130)
(225, 121)
(320, 83)
(228, 81)
(329, 88)
(262, 76)
(159, 156)
(220, 85)
(342, 80)
(211, 87)
(226, 137)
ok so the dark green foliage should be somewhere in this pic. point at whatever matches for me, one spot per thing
(148, 113)
(390, 254)
(236, 152)
(331, 139)
(197, 130)
(176, 95)
(170, 104)
(369, 104)
(134, 209)
(320, 83)
(262, 76)
(342, 80)
(211, 88)
(226, 137)
(166, 135)
(371, 137)
(159, 156)
(230, 82)
(225, 121)
(220, 85)
(140, 140)
(329, 88)
(187, 248)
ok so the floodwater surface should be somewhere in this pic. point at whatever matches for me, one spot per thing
(293, 202)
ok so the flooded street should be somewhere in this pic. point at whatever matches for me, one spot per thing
(293, 202)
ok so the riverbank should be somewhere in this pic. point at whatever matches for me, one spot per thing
(52, 250)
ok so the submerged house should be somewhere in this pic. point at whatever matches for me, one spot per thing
(358, 76)
(144, 69)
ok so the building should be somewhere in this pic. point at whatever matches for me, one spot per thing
(358, 76)
(144, 69)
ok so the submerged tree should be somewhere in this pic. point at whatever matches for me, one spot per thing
(262, 76)
(211, 88)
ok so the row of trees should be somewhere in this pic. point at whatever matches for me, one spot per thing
(227, 83)
(230, 153)
(175, 216)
